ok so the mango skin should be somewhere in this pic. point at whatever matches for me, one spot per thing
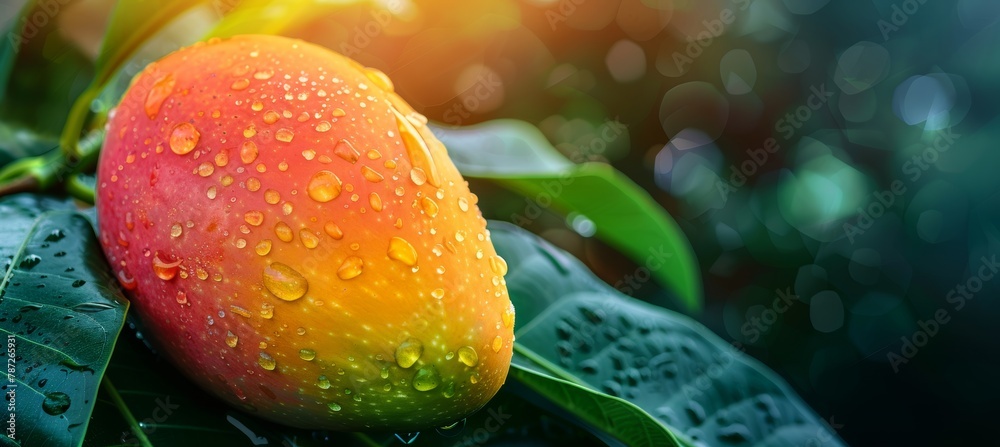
(214, 243)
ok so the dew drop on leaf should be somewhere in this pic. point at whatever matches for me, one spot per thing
(55, 403)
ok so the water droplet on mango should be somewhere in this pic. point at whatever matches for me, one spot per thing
(429, 205)
(285, 282)
(161, 89)
(345, 150)
(284, 135)
(248, 152)
(266, 361)
(408, 352)
(323, 382)
(283, 231)
(163, 269)
(232, 339)
(426, 378)
(183, 138)
(468, 356)
(307, 354)
(350, 268)
(324, 186)
(402, 251)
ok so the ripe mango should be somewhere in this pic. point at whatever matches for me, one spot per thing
(298, 243)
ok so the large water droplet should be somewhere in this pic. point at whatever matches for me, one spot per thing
(371, 175)
(497, 343)
(426, 378)
(375, 201)
(402, 251)
(283, 231)
(409, 352)
(30, 261)
(324, 186)
(351, 267)
(92, 307)
(161, 89)
(232, 339)
(467, 355)
(508, 316)
(263, 247)
(248, 152)
(183, 138)
(323, 382)
(55, 403)
(334, 406)
(55, 235)
(163, 269)
(333, 230)
(345, 150)
(266, 361)
(418, 176)
(285, 282)
(309, 239)
(429, 205)
(284, 135)
(307, 354)
(498, 265)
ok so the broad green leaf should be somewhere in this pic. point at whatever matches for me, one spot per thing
(60, 313)
(274, 16)
(576, 328)
(610, 414)
(516, 155)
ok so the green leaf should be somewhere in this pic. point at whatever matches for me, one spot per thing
(574, 327)
(516, 155)
(274, 16)
(610, 414)
(60, 312)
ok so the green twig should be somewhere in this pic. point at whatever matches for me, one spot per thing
(126, 413)
(79, 189)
